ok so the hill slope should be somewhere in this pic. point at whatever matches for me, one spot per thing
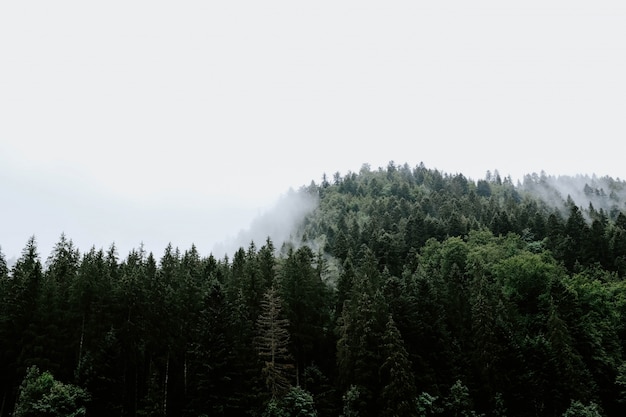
(404, 292)
(395, 210)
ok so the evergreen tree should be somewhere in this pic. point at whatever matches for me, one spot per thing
(21, 323)
(41, 395)
(459, 402)
(398, 395)
(210, 371)
(577, 235)
(58, 318)
(306, 307)
(361, 327)
(383, 324)
(272, 343)
(578, 409)
(5, 332)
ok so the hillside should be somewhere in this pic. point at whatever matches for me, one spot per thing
(405, 291)
(395, 210)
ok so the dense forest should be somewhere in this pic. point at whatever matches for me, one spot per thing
(406, 292)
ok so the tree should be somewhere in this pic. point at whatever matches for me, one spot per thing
(427, 405)
(296, 403)
(398, 396)
(305, 307)
(459, 402)
(344, 284)
(361, 328)
(488, 345)
(58, 317)
(620, 381)
(352, 402)
(578, 409)
(211, 357)
(19, 321)
(89, 297)
(5, 341)
(4, 270)
(272, 343)
(483, 188)
(43, 396)
(577, 236)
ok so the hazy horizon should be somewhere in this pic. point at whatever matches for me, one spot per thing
(157, 122)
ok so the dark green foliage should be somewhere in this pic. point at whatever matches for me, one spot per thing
(397, 397)
(43, 396)
(272, 343)
(209, 375)
(578, 409)
(409, 291)
(296, 403)
(306, 307)
(359, 357)
(459, 403)
(21, 325)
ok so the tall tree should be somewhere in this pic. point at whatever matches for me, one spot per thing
(272, 342)
(306, 307)
(59, 318)
(4, 332)
(21, 322)
(41, 395)
(398, 395)
(211, 370)
(360, 328)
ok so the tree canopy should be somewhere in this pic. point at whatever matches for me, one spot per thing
(406, 292)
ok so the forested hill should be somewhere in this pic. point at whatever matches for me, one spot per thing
(395, 210)
(406, 292)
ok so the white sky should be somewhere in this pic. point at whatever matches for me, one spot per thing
(158, 121)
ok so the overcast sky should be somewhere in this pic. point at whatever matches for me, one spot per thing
(130, 121)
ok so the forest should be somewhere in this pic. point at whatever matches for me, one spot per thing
(407, 291)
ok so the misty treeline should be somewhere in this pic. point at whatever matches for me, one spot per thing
(406, 292)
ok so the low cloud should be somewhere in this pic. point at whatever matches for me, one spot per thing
(603, 193)
(279, 223)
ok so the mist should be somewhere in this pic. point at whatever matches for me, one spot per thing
(603, 193)
(279, 223)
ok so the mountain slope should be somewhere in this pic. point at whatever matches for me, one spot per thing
(395, 210)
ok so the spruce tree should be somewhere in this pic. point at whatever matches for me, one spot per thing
(41, 395)
(272, 342)
(398, 395)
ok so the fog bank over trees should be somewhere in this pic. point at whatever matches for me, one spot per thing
(600, 193)
(281, 222)
(397, 291)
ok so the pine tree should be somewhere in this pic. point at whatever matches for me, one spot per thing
(272, 343)
(211, 356)
(58, 318)
(305, 306)
(361, 328)
(20, 319)
(398, 396)
(41, 395)
(5, 341)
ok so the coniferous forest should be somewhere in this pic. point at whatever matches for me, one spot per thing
(406, 292)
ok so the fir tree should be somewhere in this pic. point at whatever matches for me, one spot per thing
(272, 342)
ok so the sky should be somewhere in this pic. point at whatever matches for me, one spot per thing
(150, 121)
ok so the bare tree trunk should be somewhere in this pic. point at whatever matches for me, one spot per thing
(297, 374)
(167, 377)
(4, 399)
(136, 388)
(185, 376)
(82, 338)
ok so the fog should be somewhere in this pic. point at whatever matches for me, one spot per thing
(160, 122)
(219, 225)
(279, 223)
(603, 193)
